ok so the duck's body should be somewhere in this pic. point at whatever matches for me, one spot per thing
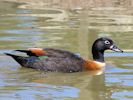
(49, 59)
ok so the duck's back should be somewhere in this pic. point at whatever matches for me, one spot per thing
(59, 60)
(60, 53)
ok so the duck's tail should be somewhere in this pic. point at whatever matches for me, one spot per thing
(21, 60)
(25, 51)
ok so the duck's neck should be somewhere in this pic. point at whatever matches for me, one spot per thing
(98, 55)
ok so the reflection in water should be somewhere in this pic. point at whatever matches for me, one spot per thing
(32, 91)
(69, 26)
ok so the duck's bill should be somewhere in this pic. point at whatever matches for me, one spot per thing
(115, 48)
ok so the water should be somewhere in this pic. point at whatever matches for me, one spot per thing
(71, 27)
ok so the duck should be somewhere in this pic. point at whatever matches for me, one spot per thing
(50, 59)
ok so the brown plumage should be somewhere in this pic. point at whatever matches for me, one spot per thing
(93, 65)
(49, 59)
(37, 51)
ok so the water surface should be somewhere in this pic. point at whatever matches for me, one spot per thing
(23, 25)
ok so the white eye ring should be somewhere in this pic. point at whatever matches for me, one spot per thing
(107, 42)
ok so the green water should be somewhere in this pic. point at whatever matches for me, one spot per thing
(26, 25)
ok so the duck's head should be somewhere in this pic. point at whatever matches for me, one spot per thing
(102, 44)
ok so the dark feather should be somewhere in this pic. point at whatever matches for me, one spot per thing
(28, 52)
(54, 60)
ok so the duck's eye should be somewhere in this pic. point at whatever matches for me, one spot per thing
(107, 42)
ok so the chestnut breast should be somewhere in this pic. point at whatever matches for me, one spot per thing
(93, 65)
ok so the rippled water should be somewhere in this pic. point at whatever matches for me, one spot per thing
(24, 25)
